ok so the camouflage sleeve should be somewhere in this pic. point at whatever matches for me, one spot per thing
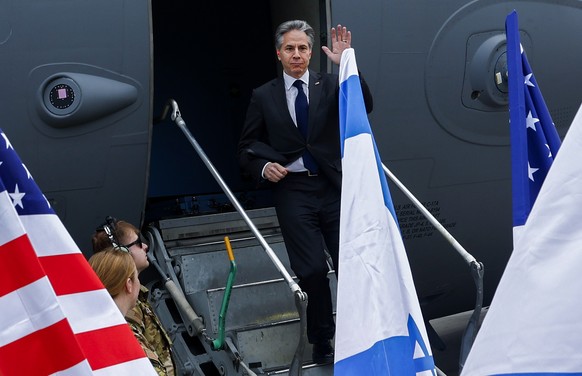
(149, 351)
(143, 319)
(153, 331)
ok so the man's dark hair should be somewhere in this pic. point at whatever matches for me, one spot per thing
(287, 26)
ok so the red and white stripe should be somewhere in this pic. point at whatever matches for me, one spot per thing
(56, 316)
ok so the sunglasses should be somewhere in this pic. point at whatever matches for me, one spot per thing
(139, 242)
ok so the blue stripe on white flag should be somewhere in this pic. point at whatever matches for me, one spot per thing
(380, 329)
(355, 115)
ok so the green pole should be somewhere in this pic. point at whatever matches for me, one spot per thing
(218, 343)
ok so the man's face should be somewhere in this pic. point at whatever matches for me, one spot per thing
(295, 53)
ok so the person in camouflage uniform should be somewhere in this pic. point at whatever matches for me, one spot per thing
(142, 319)
(149, 331)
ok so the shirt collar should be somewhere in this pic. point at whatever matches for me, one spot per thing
(290, 80)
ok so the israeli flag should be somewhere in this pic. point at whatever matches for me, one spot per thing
(380, 329)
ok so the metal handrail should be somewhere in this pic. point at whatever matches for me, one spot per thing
(177, 118)
(299, 295)
(476, 268)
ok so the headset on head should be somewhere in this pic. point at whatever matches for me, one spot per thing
(110, 229)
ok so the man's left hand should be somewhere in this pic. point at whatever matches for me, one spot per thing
(341, 39)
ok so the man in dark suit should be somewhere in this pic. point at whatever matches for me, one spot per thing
(291, 139)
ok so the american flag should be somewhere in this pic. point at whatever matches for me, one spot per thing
(534, 138)
(55, 315)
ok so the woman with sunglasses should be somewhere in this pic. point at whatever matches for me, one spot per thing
(124, 234)
(145, 324)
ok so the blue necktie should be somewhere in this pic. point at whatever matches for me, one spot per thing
(302, 117)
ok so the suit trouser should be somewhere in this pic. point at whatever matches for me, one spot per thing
(308, 210)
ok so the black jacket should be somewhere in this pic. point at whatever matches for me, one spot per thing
(269, 134)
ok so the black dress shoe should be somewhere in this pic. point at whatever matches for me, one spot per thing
(322, 353)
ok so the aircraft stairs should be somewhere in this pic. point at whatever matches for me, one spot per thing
(261, 326)
(263, 331)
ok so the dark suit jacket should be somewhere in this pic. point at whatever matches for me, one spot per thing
(269, 134)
